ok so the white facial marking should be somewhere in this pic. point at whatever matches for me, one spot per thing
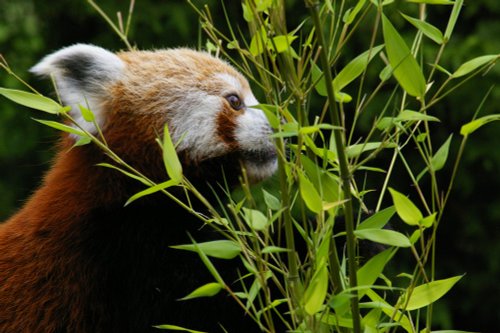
(81, 73)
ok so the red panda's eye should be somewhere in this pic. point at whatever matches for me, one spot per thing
(235, 102)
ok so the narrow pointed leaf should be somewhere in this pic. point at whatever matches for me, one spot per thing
(31, 100)
(315, 294)
(383, 236)
(222, 249)
(61, 127)
(474, 125)
(355, 68)
(309, 194)
(427, 29)
(405, 67)
(406, 210)
(151, 190)
(170, 158)
(176, 328)
(207, 290)
(378, 220)
(474, 64)
(428, 293)
(255, 219)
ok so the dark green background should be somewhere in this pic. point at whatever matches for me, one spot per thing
(469, 237)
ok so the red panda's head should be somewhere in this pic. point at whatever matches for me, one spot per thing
(206, 103)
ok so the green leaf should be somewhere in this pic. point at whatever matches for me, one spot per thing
(474, 64)
(428, 293)
(31, 100)
(282, 43)
(350, 15)
(383, 236)
(151, 190)
(87, 114)
(355, 68)
(271, 201)
(406, 210)
(474, 125)
(176, 328)
(317, 76)
(207, 290)
(455, 12)
(255, 219)
(170, 158)
(222, 249)
(405, 67)
(309, 194)
(428, 221)
(426, 28)
(316, 291)
(358, 149)
(378, 220)
(61, 127)
(433, 2)
(128, 174)
(439, 159)
(274, 249)
(369, 273)
(409, 115)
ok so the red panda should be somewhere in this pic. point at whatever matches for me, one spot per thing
(74, 259)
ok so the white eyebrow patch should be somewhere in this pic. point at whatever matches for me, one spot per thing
(230, 80)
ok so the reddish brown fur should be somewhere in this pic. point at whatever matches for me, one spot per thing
(65, 256)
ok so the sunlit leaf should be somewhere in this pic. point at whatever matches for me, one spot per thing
(378, 220)
(351, 14)
(271, 201)
(474, 64)
(61, 127)
(474, 125)
(170, 158)
(358, 149)
(255, 219)
(355, 68)
(428, 293)
(405, 67)
(151, 190)
(371, 270)
(207, 290)
(87, 114)
(315, 294)
(222, 249)
(309, 194)
(31, 100)
(406, 209)
(383, 236)
(433, 2)
(427, 29)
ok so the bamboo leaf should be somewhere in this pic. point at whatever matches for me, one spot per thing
(429, 293)
(358, 149)
(315, 293)
(474, 64)
(207, 290)
(222, 249)
(406, 210)
(426, 28)
(128, 174)
(405, 67)
(355, 68)
(474, 125)
(255, 219)
(271, 201)
(455, 12)
(383, 236)
(170, 158)
(309, 194)
(378, 220)
(176, 328)
(433, 2)
(61, 127)
(31, 100)
(151, 190)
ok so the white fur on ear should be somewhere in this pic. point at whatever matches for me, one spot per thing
(82, 72)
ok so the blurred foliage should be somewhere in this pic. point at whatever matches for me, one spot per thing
(468, 240)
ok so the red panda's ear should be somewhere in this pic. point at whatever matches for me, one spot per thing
(82, 73)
